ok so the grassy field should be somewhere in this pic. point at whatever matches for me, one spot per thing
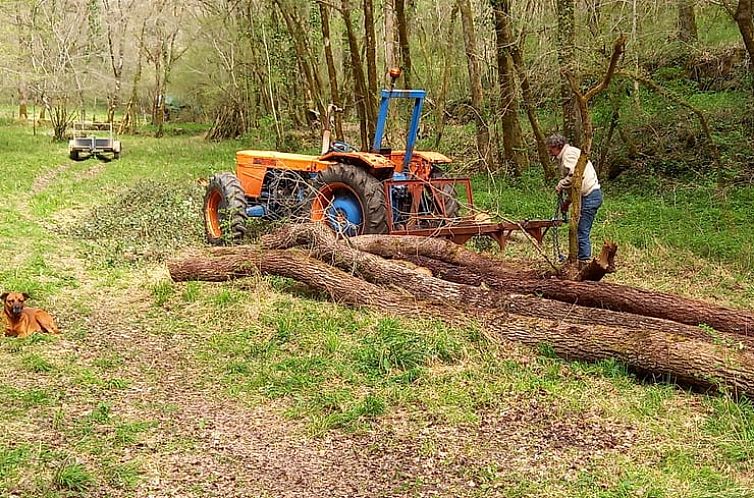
(259, 388)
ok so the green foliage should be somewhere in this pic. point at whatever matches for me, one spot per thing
(73, 477)
(731, 424)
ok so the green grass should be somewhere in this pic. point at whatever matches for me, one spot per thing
(99, 407)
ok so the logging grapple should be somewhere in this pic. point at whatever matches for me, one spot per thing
(383, 191)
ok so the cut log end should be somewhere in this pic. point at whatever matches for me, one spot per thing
(600, 266)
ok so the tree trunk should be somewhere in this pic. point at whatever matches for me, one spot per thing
(306, 60)
(744, 17)
(360, 85)
(594, 15)
(400, 17)
(370, 42)
(602, 295)
(586, 149)
(442, 98)
(531, 112)
(129, 116)
(391, 59)
(23, 100)
(682, 359)
(513, 141)
(332, 74)
(603, 169)
(567, 60)
(475, 81)
(687, 31)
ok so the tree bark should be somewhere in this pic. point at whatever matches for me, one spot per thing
(23, 100)
(687, 31)
(391, 59)
(475, 81)
(513, 139)
(567, 59)
(442, 98)
(603, 295)
(403, 40)
(360, 85)
(744, 17)
(370, 45)
(324, 12)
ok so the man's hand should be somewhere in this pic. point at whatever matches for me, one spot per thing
(557, 188)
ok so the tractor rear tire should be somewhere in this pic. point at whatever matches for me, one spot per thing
(224, 210)
(366, 188)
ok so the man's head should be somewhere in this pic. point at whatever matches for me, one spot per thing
(13, 302)
(555, 144)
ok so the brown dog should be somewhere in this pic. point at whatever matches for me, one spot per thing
(22, 321)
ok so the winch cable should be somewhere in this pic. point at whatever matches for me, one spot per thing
(561, 213)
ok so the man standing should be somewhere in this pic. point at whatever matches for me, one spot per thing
(591, 194)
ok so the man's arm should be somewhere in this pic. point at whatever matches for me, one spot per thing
(570, 158)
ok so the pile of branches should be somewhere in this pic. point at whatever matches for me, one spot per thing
(690, 342)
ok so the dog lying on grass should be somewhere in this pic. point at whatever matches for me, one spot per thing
(22, 321)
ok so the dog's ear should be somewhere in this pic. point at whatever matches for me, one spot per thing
(4, 295)
(26, 296)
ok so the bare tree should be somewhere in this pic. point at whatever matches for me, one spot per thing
(163, 50)
(513, 139)
(531, 110)
(567, 59)
(358, 75)
(117, 15)
(583, 100)
(57, 49)
(400, 15)
(475, 81)
(304, 54)
(687, 31)
(443, 96)
(370, 48)
(324, 12)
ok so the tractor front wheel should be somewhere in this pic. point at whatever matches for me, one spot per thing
(224, 209)
(349, 200)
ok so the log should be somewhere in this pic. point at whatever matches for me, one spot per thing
(538, 307)
(604, 295)
(687, 360)
(459, 287)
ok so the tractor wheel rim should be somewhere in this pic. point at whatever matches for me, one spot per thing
(340, 207)
(212, 214)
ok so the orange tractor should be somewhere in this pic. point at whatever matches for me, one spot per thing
(383, 191)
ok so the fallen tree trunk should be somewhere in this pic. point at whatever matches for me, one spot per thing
(458, 285)
(479, 269)
(676, 358)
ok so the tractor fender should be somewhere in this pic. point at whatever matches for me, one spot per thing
(377, 165)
